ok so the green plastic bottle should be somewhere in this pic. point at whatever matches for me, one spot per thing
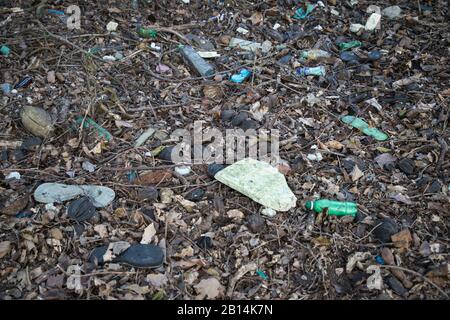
(147, 32)
(348, 45)
(335, 208)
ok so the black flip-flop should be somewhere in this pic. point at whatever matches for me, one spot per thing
(137, 255)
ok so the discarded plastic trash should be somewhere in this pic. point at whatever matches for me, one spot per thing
(137, 255)
(261, 273)
(88, 122)
(24, 82)
(59, 192)
(379, 260)
(6, 88)
(241, 76)
(147, 32)
(335, 208)
(348, 45)
(260, 182)
(37, 121)
(5, 50)
(314, 54)
(61, 14)
(302, 14)
(244, 44)
(364, 127)
(314, 71)
(204, 68)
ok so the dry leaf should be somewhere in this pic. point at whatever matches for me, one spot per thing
(402, 239)
(235, 214)
(102, 230)
(149, 233)
(356, 173)
(186, 252)
(209, 288)
(157, 280)
(333, 144)
(5, 247)
(256, 18)
(154, 177)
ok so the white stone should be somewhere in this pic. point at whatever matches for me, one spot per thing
(355, 27)
(268, 212)
(391, 12)
(373, 22)
(112, 26)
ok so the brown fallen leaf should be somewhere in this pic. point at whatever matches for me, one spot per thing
(209, 288)
(13, 207)
(256, 18)
(402, 239)
(333, 144)
(356, 173)
(154, 177)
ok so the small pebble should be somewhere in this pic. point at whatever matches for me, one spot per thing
(255, 223)
(195, 195)
(148, 193)
(237, 120)
(406, 166)
(384, 231)
(205, 242)
(227, 115)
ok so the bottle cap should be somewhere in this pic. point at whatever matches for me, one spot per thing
(309, 205)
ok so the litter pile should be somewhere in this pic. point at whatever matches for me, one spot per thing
(95, 205)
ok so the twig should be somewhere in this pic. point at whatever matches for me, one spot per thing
(419, 275)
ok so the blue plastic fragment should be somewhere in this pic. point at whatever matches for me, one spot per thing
(379, 260)
(132, 175)
(6, 87)
(24, 214)
(24, 82)
(241, 76)
(57, 12)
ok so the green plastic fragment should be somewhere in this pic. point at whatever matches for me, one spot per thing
(88, 122)
(147, 32)
(5, 51)
(335, 208)
(364, 127)
(261, 273)
(302, 14)
(348, 45)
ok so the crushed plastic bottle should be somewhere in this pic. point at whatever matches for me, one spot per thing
(364, 127)
(314, 54)
(204, 68)
(241, 76)
(335, 208)
(348, 45)
(302, 14)
(5, 50)
(314, 71)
